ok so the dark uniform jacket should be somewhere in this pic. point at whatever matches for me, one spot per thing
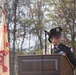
(65, 49)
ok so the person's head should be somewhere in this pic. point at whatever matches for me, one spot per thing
(55, 35)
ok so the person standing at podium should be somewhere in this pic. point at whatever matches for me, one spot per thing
(55, 37)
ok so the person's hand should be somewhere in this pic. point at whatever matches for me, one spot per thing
(62, 53)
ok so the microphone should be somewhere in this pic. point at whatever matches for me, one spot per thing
(46, 32)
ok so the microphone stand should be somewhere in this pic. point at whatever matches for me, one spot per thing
(45, 41)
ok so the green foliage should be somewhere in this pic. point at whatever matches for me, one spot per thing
(38, 51)
(47, 20)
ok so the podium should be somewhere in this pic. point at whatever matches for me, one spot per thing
(44, 65)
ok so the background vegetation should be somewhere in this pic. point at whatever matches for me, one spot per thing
(27, 20)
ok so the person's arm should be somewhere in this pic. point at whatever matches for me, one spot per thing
(71, 57)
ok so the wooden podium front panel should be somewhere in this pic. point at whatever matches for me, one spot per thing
(51, 65)
(30, 65)
(44, 65)
(38, 65)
